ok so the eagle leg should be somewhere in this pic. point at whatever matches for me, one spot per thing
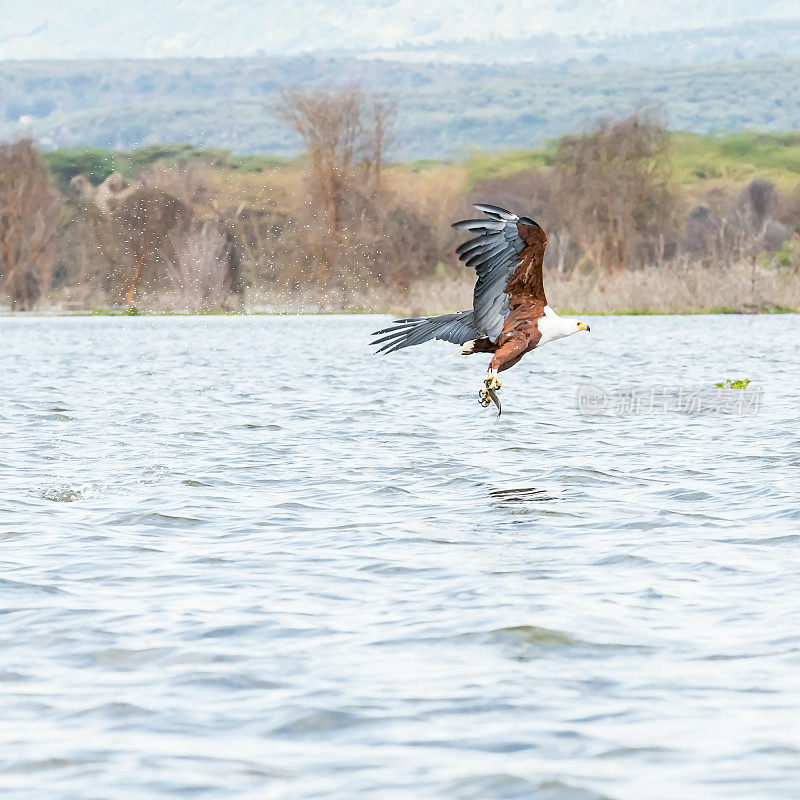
(491, 381)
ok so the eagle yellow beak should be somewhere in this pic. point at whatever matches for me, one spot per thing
(582, 326)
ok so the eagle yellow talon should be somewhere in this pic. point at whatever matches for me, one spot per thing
(491, 382)
(484, 399)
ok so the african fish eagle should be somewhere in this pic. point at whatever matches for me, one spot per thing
(509, 315)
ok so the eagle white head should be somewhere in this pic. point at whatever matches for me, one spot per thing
(554, 327)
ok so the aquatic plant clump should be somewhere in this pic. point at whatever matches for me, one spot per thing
(730, 383)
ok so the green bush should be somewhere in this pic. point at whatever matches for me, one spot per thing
(93, 162)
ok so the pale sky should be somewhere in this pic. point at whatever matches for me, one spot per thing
(216, 28)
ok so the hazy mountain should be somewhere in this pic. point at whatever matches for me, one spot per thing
(476, 29)
(486, 73)
(442, 108)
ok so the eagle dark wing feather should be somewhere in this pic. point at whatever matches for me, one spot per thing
(469, 246)
(455, 328)
(495, 211)
(479, 224)
(506, 252)
(486, 253)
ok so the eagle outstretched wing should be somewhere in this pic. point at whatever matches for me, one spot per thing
(507, 252)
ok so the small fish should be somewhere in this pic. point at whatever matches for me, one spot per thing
(495, 399)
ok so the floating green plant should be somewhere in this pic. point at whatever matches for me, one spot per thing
(740, 383)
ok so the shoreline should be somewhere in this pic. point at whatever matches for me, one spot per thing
(570, 312)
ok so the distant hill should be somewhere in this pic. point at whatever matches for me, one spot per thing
(444, 108)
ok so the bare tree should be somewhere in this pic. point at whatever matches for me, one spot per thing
(704, 235)
(30, 212)
(134, 227)
(758, 202)
(148, 220)
(614, 189)
(345, 134)
(728, 229)
(381, 132)
(199, 272)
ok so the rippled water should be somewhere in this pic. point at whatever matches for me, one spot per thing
(244, 558)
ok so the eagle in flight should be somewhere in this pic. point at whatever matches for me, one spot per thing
(509, 315)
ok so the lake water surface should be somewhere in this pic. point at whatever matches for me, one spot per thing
(242, 557)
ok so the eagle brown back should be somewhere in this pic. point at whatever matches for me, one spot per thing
(527, 280)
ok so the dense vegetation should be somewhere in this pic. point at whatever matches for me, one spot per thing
(637, 217)
(695, 158)
(443, 108)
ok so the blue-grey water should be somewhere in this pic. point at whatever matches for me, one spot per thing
(242, 557)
